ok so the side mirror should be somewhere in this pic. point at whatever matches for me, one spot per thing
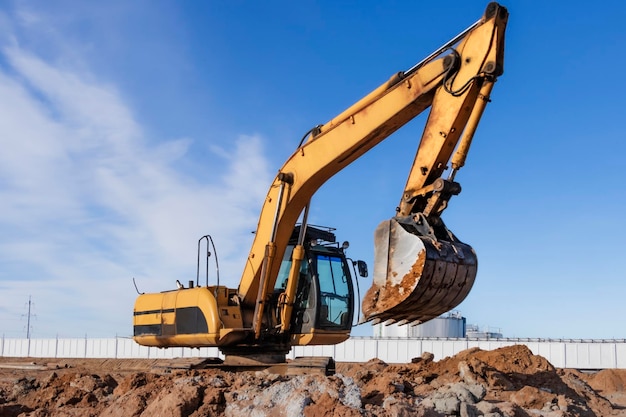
(362, 267)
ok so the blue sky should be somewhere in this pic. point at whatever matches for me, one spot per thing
(130, 129)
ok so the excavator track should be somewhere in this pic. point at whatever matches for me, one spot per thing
(303, 365)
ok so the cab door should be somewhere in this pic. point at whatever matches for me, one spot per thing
(334, 291)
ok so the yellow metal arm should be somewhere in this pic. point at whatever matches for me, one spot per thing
(453, 82)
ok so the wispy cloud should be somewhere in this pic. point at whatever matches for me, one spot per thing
(88, 201)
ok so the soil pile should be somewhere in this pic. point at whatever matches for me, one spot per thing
(506, 382)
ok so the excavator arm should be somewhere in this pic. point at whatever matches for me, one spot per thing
(455, 81)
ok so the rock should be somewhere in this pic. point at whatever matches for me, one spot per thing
(447, 404)
(349, 393)
(531, 397)
(467, 373)
(49, 380)
(181, 401)
(23, 386)
(126, 406)
(327, 406)
(132, 382)
(467, 410)
(478, 391)
(486, 408)
(426, 358)
(398, 408)
(292, 396)
(217, 382)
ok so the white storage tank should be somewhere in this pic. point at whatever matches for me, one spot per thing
(451, 324)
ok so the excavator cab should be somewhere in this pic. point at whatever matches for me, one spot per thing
(324, 305)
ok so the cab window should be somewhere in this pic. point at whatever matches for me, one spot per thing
(335, 290)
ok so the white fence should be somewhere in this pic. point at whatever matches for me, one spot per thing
(562, 353)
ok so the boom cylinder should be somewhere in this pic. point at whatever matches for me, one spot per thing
(460, 155)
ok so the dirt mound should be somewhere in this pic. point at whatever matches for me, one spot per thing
(506, 382)
(608, 380)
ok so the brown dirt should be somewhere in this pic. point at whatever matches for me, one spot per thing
(382, 298)
(506, 382)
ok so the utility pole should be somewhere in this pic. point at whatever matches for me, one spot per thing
(28, 316)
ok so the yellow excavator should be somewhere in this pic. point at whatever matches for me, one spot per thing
(296, 287)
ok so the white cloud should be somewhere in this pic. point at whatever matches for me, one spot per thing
(88, 202)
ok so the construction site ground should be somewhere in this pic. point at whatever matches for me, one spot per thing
(506, 382)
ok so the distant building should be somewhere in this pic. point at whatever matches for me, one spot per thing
(451, 324)
(474, 332)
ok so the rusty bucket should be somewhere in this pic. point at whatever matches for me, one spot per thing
(417, 276)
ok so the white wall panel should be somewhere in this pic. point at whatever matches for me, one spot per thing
(393, 350)
(127, 348)
(433, 346)
(71, 348)
(620, 355)
(100, 348)
(356, 350)
(587, 354)
(43, 348)
(15, 347)
(320, 350)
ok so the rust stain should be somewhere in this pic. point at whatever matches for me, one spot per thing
(379, 299)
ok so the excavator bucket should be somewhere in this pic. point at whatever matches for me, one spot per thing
(417, 276)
